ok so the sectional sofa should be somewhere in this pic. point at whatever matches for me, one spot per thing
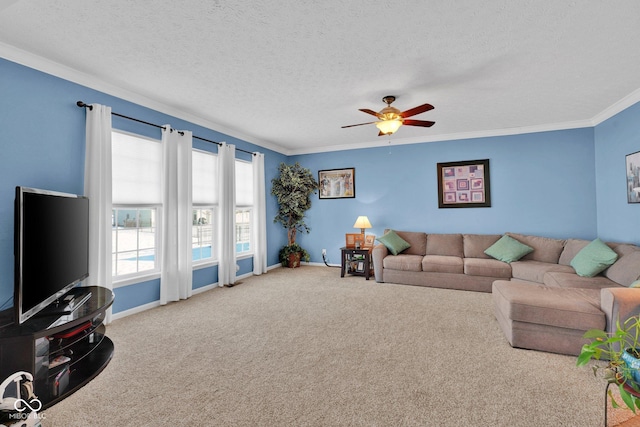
(540, 302)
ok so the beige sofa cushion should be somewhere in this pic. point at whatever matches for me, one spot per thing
(442, 264)
(416, 239)
(534, 271)
(565, 308)
(623, 249)
(487, 268)
(559, 279)
(626, 269)
(403, 262)
(571, 249)
(474, 245)
(545, 249)
(445, 244)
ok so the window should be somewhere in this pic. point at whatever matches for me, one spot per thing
(244, 205)
(205, 206)
(133, 240)
(243, 230)
(137, 204)
(204, 224)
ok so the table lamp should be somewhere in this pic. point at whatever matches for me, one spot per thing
(362, 222)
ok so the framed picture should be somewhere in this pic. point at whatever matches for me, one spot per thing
(633, 177)
(369, 241)
(337, 183)
(464, 184)
(354, 240)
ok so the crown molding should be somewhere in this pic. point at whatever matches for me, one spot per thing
(618, 107)
(451, 137)
(39, 63)
(56, 69)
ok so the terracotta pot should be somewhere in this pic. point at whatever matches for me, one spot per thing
(294, 260)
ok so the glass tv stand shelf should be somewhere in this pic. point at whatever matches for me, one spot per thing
(62, 352)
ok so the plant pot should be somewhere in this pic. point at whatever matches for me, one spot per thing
(294, 260)
(633, 364)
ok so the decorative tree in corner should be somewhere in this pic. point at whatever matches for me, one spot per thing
(293, 188)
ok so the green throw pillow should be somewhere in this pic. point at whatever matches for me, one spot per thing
(593, 258)
(635, 284)
(508, 249)
(393, 242)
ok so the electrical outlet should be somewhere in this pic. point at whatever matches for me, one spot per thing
(324, 252)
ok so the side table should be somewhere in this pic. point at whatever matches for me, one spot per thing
(356, 262)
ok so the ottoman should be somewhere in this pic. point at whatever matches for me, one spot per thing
(537, 317)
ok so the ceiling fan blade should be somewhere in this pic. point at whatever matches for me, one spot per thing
(416, 110)
(359, 124)
(422, 123)
(368, 111)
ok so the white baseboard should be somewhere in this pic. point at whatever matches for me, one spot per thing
(321, 264)
(204, 288)
(134, 310)
(154, 304)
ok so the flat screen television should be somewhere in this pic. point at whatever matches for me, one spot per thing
(51, 248)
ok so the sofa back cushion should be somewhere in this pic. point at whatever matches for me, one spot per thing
(626, 269)
(573, 246)
(593, 259)
(416, 239)
(445, 244)
(507, 249)
(623, 248)
(476, 244)
(571, 249)
(545, 249)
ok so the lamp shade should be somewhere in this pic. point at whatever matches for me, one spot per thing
(362, 222)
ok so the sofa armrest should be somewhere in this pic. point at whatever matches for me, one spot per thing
(619, 304)
(379, 252)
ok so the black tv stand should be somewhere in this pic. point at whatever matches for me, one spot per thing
(62, 352)
(68, 303)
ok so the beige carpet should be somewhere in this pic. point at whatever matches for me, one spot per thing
(304, 347)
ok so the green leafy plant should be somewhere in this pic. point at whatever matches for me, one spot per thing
(612, 347)
(288, 250)
(293, 188)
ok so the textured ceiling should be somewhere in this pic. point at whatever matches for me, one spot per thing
(288, 74)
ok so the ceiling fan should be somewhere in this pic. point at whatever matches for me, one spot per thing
(390, 118)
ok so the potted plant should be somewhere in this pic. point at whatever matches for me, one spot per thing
(293, 188)
(622, 351)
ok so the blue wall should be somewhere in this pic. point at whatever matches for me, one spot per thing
(614, 139)
(559, 184)
(43, 145)
(541, 183)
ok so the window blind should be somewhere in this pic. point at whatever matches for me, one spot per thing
(244, 183)
(205, 174)
(136, 169)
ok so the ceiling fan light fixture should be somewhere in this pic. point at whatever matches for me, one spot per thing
(388, 127)
(390, 118)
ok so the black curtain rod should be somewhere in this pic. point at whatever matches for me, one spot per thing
(82, 104)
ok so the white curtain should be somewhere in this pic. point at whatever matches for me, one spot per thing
(259, 216)
(97, 187)
(227, 223)
(176, 278)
